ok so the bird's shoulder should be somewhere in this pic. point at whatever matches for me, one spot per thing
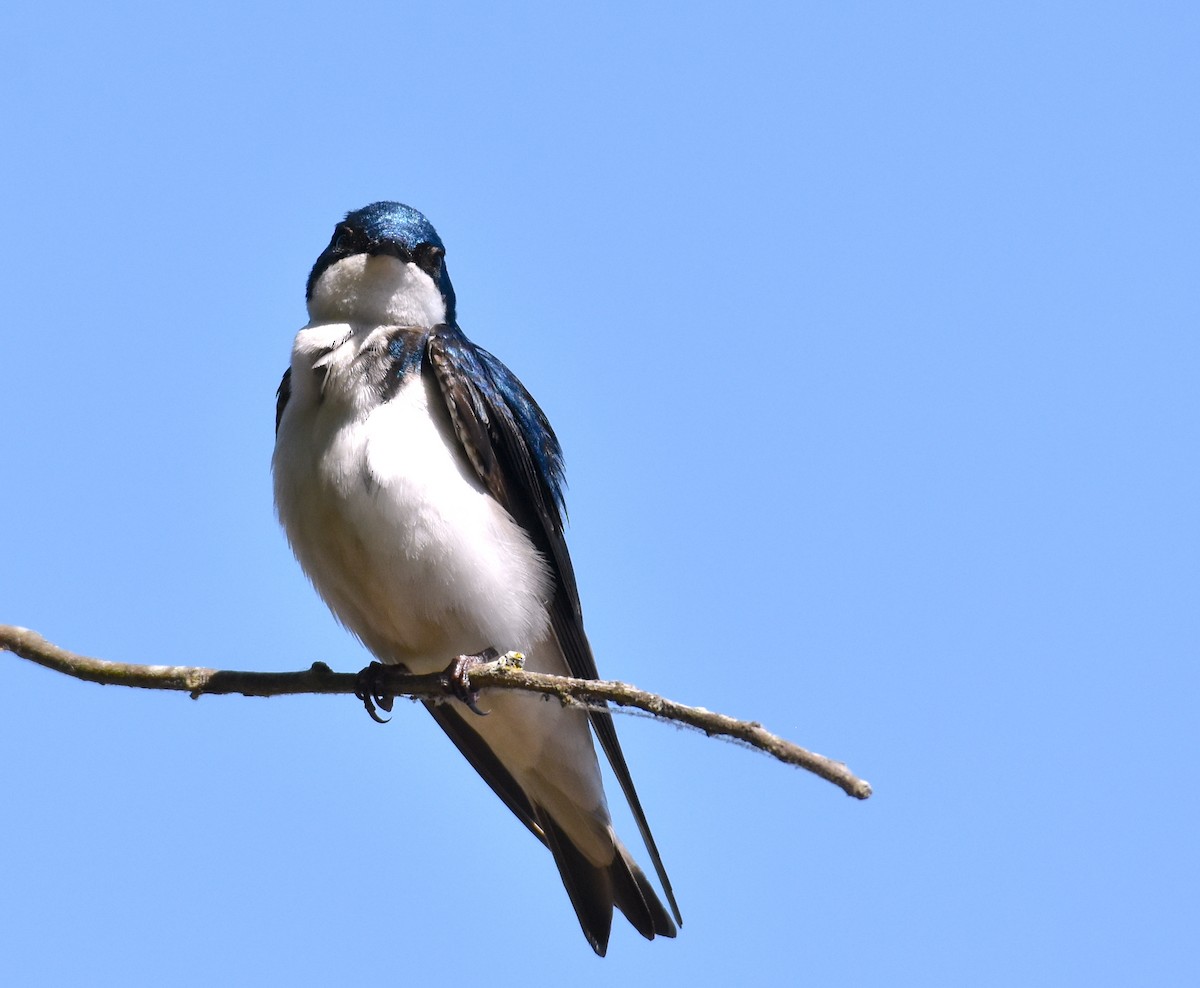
(506, 435)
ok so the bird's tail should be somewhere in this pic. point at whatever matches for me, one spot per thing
(595, 889)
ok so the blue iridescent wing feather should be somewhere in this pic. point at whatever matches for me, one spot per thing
(517, 457)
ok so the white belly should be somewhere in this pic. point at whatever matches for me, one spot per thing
(410, 552)
(391, 526)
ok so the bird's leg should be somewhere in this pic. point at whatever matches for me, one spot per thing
(370, 691)
(457, 677)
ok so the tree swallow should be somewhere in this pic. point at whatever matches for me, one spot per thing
(421, 489)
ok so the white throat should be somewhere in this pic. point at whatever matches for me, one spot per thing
(379, 291)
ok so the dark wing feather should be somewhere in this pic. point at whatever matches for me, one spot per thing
(592, 890)
(282, 394)
(516, 455)
(484, 761)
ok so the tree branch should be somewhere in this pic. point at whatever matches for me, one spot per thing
(198, 681)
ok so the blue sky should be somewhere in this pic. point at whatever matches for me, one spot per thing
(870, 334)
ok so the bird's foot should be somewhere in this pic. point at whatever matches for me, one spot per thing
(369, 689)
(457, 677)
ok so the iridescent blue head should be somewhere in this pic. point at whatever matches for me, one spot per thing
(389, 228)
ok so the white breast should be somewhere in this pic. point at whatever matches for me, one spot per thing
(387, 519)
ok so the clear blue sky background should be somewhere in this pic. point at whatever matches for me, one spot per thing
(870, 333)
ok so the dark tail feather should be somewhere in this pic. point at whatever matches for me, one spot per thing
(589, 887)
(636, 898)
(594, 890)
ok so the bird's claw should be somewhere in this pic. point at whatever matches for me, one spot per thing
(457, 677)
(371, 692)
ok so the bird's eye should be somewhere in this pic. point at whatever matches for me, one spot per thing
(429, 259)
(343, 237)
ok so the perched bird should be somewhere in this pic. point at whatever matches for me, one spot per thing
(421, 489)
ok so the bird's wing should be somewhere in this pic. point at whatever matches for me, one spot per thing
(282, 395)
(516, 455)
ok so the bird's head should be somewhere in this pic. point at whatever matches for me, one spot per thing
(384, 265)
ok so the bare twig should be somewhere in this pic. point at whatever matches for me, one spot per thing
(197, 681)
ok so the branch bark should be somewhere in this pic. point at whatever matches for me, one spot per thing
(198, 681)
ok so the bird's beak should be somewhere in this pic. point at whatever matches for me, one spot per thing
(391, 249)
